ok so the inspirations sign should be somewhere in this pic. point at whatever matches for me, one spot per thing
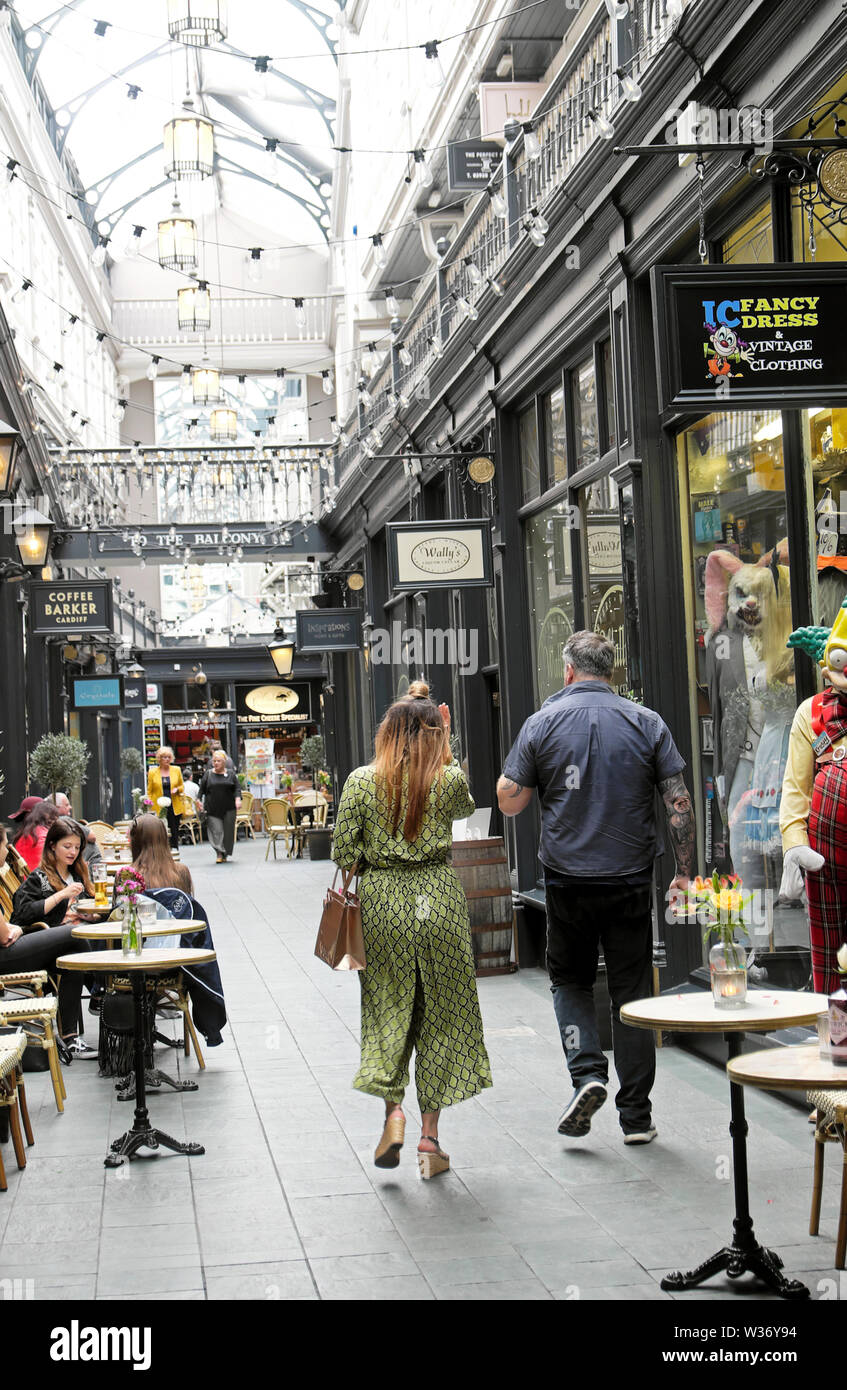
(439, 555)
(71, 608)
(329, 630)
(757, 336)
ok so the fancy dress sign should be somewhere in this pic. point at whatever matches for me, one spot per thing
(766, 336)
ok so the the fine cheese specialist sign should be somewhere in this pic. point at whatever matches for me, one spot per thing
(59, 607)
(741, 337)
(439, 554)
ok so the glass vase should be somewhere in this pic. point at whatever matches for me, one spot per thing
(131, 931)
(728, 972)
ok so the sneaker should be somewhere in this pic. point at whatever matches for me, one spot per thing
(644, 1136)
(576, 1120)
(95, 1004)
(80, 1051)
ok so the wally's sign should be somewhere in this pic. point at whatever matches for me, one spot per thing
(439, 554)
(71, 608)
(766, 336)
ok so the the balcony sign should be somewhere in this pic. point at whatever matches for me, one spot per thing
(744, 337)
(329, 630)
(439, 554)
(471, 164)
(60, 607)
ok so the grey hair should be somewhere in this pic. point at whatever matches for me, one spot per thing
(590, 653)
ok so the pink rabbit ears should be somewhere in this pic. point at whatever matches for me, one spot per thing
(720, 566)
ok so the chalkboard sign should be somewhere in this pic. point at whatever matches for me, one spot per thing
(329, 630)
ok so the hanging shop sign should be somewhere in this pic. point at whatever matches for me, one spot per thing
(329, 630)
(439, 554)
(71, 608)
(135, 692)
(165, 545)
(754, 336)
(279, 705)
(500, 102)
(151, 721)
(97, 692)
(471, 164)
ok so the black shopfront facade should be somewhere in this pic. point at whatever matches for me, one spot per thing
(624, 462)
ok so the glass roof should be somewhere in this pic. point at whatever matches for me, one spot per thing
(113, 91)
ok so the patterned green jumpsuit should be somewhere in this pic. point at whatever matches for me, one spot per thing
(419, 987)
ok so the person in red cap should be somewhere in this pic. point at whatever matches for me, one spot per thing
(34, 818)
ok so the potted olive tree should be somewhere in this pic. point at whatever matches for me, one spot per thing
(58, 761)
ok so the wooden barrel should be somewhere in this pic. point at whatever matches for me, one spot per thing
(483, 872)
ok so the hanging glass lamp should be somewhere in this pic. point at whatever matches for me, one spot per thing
(178, 241)
(197, 22)
(189, 144)
(194, 307)
(205, 385)
(223, 426)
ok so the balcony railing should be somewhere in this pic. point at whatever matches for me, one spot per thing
(245, 320)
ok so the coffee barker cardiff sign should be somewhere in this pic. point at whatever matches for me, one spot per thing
(754, 336)
(71, 608)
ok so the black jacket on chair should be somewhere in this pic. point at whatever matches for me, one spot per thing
(205, 990)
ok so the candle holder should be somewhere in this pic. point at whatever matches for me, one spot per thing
(728, 973)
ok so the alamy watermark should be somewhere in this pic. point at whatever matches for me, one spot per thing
(426, 646)
(721, 125)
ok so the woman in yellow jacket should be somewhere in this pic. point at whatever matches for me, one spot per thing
(166, 780)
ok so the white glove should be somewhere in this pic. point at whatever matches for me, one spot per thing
(796, 860)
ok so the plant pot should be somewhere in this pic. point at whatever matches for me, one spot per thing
(319, 839)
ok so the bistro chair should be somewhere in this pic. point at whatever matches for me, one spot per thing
(830, 1128)
(104, 834)
(41, 1014)
(190, 819)
(31, 981)
(16, 863)
(245, 815)
(13, 1097)
(280, 824)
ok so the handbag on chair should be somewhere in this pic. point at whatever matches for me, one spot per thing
(340, 941)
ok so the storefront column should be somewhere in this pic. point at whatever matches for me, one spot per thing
(13, 719)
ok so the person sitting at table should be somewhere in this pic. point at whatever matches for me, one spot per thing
(166, 780)
(33, 819)
(92, 854)
(151, 855)
(50, 892)
(38, 949)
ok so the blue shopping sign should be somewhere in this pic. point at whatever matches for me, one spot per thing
(97, 692)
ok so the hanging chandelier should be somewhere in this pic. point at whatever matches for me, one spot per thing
(197, 22)
(189, 144)
(178, 241)
(205, 385)
(194, 307)
(223, 425)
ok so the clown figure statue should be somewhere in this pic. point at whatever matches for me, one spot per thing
(813, 809)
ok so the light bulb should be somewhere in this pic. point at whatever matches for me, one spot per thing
(327, 383)
(21, 291)
(474, 272)
(391, 305)
(498, 203)
(54, 373)
(380, 258)
(531, 143)
(423, 172)
(367, 448)
(536, 235)
(540, 222)
(257, 82)
(436, 347)
(133, 246)
(299, 313)
(334, 427)
(98, 255)
(604, 128)
(402, 399)
(99, 339)
(70, 326)
(254, 267)
(153, 369)
(365, 397)
(629, 86)
(618, 9)
(496, 287)
(404, 355)
(434, 70)
(119, 410)
(343, 438)
(469, 310)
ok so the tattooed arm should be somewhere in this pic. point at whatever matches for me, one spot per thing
(680, 814)
(512, 798)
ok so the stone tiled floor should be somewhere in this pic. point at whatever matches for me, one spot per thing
(286, 1202)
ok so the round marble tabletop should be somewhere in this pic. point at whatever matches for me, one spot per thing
(116, 963)
(111, 931)
(781, 1068)
(762, 1011)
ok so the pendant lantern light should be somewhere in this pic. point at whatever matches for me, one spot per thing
(205, 385)
(194, 307)
(189, 144)
(197, 22)
(178, 241)
(223, 426)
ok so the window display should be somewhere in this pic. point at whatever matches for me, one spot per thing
(550, 594)
(603, 570)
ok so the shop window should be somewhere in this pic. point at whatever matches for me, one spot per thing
(555, 448)
(600, 535)
(585, 420)
(548, 551)
(752, 242)
(173, 695)
(610, 437)
(530, 458)
(825, 449)
(743, 698)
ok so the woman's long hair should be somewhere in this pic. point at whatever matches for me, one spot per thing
(410, 752)
(150, 847)
(45, 813)
(63, 829)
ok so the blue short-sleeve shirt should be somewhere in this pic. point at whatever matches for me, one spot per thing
(596, 759)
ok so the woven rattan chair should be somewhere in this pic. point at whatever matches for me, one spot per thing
(16, 863)
(279, 823)
(245, 815)
(13, 1097)
(43, 1013)
(104, 834)
(830, 1128)
(190, 819)
(22, 983)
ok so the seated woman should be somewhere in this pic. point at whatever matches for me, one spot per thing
(50, 892)
(38, 949)
(34, 818)
(151, 855)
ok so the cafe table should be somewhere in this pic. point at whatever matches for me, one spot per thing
(762, 1012)
(142, 1135)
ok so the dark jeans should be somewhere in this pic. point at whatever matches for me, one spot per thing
(579, 920)
(221, 832)
(173, 827)
(38, 951)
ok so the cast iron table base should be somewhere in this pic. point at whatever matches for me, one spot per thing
(745, 1255)
(143, 1135)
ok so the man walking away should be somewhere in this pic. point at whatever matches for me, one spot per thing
(597, 760)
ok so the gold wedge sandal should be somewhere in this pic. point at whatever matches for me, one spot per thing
(433, 1163)
(388, 1149)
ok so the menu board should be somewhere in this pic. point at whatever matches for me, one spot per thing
(152, 722)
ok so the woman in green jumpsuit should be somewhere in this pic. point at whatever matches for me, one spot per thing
(395, 820)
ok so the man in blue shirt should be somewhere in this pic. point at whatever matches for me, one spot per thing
(597, 760)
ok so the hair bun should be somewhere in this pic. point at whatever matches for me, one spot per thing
(418, 690)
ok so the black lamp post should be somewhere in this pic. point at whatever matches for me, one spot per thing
(33, 531)
(281, 653)
(10, 441)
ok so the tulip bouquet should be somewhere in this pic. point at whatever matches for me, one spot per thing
(718, 905)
